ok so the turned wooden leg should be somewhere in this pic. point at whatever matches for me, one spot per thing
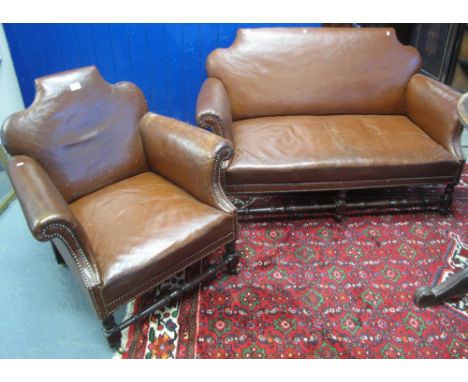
(58, 256)
(456, 285)
(340, 206)
(447, 199)
(114, 336)
(233, 258)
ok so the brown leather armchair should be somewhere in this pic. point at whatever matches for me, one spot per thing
(128, 198)
(320, 109)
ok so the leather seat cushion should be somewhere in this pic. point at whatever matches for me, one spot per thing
(144, 228)
(334, 148)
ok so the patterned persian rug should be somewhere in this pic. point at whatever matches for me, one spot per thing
(315, 288)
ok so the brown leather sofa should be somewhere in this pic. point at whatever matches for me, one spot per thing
(128, 198)
(315, 109)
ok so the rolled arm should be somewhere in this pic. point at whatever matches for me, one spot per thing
(433, 107)
(188, 156)
(40, 200)
(214, 108)
(48, 215)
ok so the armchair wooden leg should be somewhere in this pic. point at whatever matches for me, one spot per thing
(114, 336)
(232, 258)
(58, 256)
(446, 200)
(456, 285)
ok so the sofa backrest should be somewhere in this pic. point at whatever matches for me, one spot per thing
(314, 71)
(82, 130)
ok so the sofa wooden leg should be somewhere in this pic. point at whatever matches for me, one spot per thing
(456, 285)
(446, 200)
(340, 206)
(58, 256)
(114, 336)
(232, 258)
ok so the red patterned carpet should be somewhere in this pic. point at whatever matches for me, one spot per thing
(319, 289)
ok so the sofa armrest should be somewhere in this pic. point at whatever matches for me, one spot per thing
(433, 107)
(48, 214)
(188, 156)
(214, 108)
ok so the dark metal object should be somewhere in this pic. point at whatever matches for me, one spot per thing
(113, 331)
(454, 286)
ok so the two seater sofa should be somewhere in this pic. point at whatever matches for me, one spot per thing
(313, 109)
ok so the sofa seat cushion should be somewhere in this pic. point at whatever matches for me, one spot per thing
(334, 149)
(145, 229)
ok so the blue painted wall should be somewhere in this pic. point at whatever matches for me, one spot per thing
(167, 61)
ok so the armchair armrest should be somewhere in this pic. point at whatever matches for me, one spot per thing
(214, 108)
(433, 107)
(48, 215)
(190, 157)
(40, 200)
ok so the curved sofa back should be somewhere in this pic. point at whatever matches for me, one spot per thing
(314, 71)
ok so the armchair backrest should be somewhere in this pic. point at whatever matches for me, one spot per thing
(315, 71)
(82, 130)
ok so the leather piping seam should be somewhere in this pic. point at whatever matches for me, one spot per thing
(220, 196)
(331, 182)
(219, 122)
(169, 273)
(234, 189)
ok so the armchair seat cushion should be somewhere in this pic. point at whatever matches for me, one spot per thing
(144, 229)
(331, 149)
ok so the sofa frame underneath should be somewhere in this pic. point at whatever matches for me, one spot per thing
(340, 204)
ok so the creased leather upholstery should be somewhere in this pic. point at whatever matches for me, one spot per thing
(191, 158)
(91, 174)
(144, 229)
(42, 202)
(318, 71)
(323, 149)
(92, 142)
